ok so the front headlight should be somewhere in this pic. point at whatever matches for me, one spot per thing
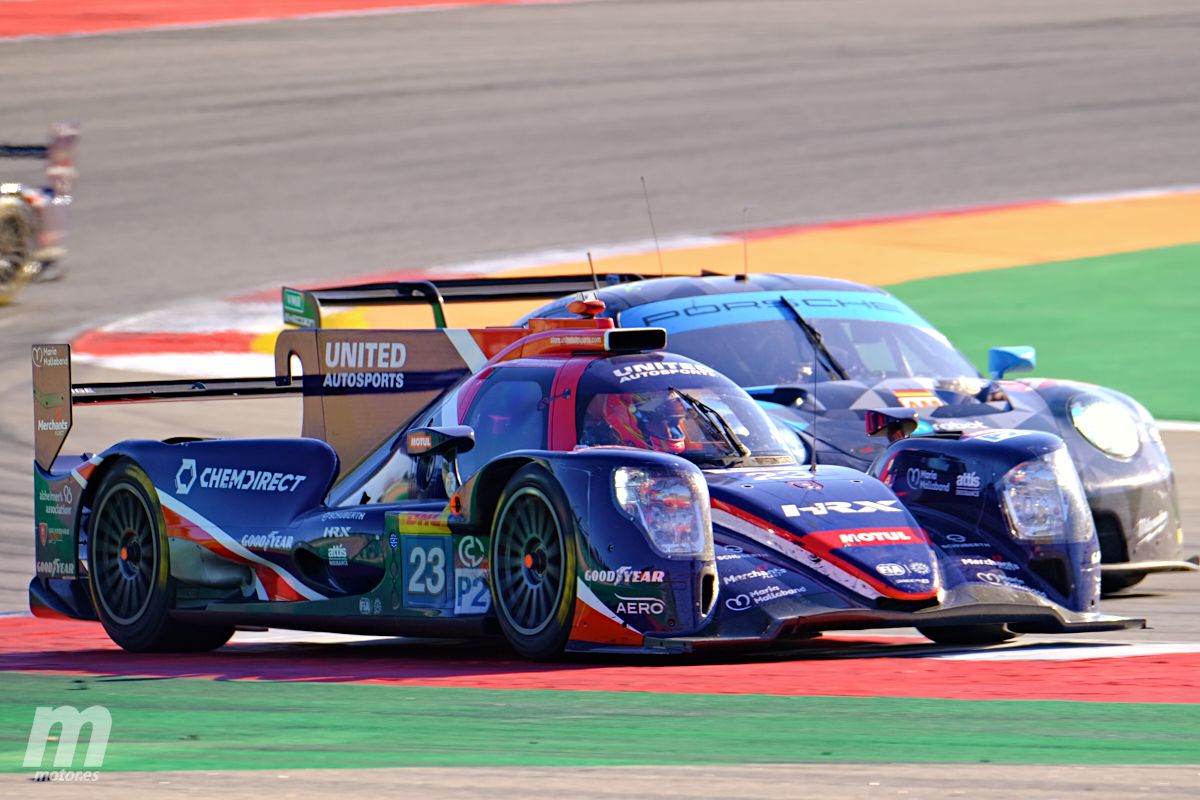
(670, 506)
(1106, 424)
(1044, 500)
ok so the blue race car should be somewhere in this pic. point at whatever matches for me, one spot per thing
(819, 354)
(567, 484)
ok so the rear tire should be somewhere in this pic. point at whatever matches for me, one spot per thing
(532, 564)
(969, 634)
(130, 570)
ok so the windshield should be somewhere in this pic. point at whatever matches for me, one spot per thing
(658, 402)
(872, 337)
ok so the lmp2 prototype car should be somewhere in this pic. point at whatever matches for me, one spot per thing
(567, 484)
(819, 354)
(33, 218)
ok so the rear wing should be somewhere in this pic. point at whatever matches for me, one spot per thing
(302, 307)
(58, 152)
(358, 386)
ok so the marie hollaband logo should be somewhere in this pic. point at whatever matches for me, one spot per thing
(69, 722)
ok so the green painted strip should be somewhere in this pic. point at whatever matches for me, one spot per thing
(200, 724)
(1127, 321)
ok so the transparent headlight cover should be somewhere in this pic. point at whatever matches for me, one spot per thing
(1105, 423)
(1044, 500)
(671, 507)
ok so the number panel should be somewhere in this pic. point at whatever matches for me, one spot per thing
(426, 560)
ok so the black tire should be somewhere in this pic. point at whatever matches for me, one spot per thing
(130, 569)
(531, 562)
(16, 248)
(1117, 582)
(969, 634)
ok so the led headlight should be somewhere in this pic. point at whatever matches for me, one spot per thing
(1106, 424)
(1044, 500)
(669, 505)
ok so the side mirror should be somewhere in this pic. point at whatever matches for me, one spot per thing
(897, 423)
(446, 442)
(1011, 359)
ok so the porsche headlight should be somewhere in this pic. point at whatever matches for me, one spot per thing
(670, 506)
(1106, 424)
(1044, 501)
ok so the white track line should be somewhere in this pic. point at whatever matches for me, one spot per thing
(1178, 426)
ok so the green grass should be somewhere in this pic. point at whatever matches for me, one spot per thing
(1129, 321)
(201, 724)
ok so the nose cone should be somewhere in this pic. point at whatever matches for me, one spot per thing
(840, 523)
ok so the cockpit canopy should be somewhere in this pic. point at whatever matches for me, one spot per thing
(671, 404)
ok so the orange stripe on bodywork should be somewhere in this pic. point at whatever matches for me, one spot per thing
(180, 527)
(595, 627)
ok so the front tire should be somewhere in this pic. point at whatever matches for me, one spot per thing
(1113, 583)
(969, 634)
(130, 570)
(532, 564)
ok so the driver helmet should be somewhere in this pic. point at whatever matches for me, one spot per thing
(651, 421)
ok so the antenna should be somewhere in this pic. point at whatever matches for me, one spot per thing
(813, 397)
(592, 267)
(662, 271)
(745, 244)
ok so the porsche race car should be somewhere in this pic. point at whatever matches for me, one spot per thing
(820, 354)
(569, 485)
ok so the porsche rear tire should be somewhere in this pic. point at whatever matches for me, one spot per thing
(532, 564)
(969, 634)
(130, 571)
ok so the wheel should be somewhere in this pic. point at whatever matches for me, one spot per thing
(130, 571)
(969, 634)
(532, 564)
(16, 247)
(1118, 581)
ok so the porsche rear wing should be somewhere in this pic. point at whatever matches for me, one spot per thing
(302, 307)
(358, 386)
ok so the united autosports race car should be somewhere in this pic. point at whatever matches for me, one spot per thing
(33, 218)
(820, 354)
(567, 484)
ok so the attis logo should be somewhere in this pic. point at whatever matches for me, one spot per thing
(967, 485)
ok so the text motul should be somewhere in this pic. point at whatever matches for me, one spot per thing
(877, 537)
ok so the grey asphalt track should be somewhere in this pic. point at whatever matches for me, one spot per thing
(219, 160)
